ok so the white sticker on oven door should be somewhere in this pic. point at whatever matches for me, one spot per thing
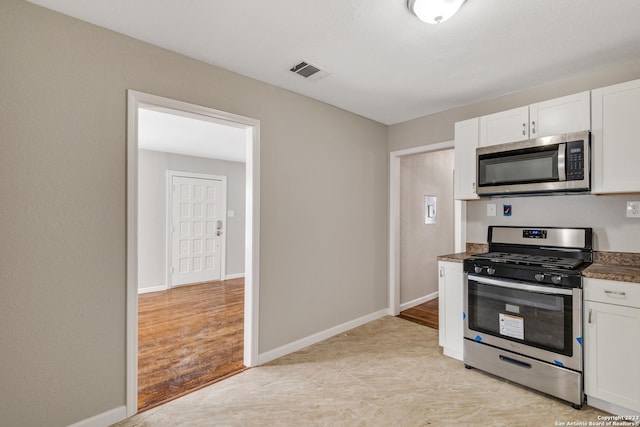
(512, 326)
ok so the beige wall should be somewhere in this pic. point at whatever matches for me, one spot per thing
(63, 90)
(421, 175)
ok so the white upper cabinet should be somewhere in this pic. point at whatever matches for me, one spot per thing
(557, 116)
(561, 115)
(615, 144)
(466, 140)
(505, 126)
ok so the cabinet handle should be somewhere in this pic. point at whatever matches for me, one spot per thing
(524, 128)
(441, 272)
(615, 293)
(589, 321)
(533, 127)
(473, 186)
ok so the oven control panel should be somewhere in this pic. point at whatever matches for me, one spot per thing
(534, 234)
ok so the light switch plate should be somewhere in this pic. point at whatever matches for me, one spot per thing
(491, 209)
(633, 209)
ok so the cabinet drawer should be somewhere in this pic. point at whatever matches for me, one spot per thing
(612, 292)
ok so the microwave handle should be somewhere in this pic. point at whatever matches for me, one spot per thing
(562, 162)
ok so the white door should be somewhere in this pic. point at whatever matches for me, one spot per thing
(196, 229)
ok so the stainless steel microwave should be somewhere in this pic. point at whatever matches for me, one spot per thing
(551, 164)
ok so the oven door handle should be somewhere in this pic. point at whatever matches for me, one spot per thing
(519, 285)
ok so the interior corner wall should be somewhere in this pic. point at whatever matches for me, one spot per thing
(63, 97)
(152, 202)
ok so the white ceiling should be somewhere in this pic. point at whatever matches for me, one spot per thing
(383, 62)
(174, 132)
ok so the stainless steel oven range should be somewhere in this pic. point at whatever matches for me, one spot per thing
(523, 308)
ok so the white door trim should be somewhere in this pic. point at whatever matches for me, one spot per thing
(169, 210)
(394, 219)
(135, 100)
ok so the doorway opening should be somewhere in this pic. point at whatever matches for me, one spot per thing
(204, 234)
(421, 208)
(426, 231)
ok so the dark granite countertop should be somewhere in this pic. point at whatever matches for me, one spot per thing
(471, 249)
(620, 266)
(621, 273)
(459, 257)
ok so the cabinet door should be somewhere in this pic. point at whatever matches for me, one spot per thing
(612, 345)
(561, 115)
(450, 302)
(614, 141)
(466, 136)
(505, 126)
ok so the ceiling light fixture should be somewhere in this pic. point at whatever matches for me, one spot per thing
(434, 11)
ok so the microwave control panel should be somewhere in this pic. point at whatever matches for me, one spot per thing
(575, 161)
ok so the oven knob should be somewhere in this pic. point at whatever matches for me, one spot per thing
(556, 279)
(477, 269)
(539, 277)
(491, 270)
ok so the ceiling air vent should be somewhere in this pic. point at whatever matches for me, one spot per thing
(308, 71)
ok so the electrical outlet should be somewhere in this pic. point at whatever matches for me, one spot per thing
(491, 209)
(633, 209)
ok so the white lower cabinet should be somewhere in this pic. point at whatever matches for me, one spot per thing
(612, 345)
(450, 301)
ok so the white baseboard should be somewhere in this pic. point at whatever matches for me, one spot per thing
(104, 419)
(152, 289)
(234, 276)
(316, 338)
(418, 301)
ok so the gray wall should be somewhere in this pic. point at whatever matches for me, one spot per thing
(424, 174)
(605, 214)
(63, 189)
(152, 197)
(612, 230)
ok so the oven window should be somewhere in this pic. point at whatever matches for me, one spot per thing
(536, 319)
(522, 166)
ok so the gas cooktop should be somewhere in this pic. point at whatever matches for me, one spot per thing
(531, 260)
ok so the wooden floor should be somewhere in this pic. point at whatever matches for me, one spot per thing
(188, 337)
(425, 314)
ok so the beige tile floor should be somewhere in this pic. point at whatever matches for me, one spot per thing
(389, 372)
